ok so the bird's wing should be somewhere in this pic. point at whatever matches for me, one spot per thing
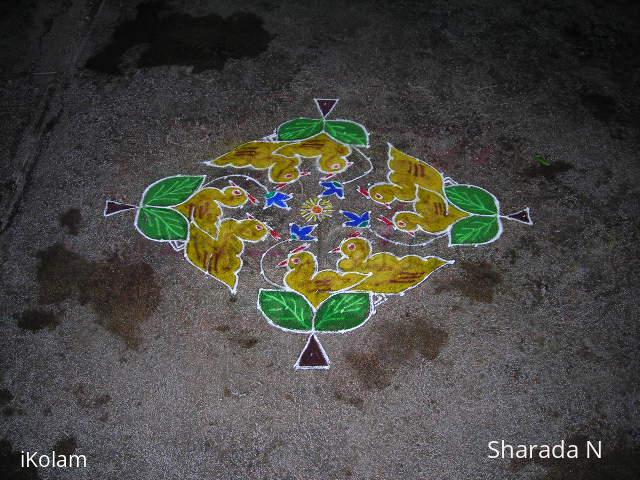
(408, 171)
(350, 215)
(220, 260)
(203, 210)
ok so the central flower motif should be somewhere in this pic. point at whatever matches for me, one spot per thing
(316, 209)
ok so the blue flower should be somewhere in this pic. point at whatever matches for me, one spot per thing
(355, 220)
(302, 233)
(277, 199)
(332, 188)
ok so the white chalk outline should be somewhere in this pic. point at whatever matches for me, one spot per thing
(238, 175)
(366, 172)
(404, 244)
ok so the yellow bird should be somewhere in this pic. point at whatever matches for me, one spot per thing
(389, 274)
(261, 155)
(406, 173)
(432, 214)
(221, 256)
(303, 277)
(331, 155)
(204, 208)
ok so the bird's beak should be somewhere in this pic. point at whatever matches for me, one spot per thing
(283, 263)
(274, 234)
(336, 250)
(363, 191)
(252, 199)
(301, 248)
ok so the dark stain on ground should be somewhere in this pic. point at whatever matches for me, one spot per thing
(70, 221)
(620, 463)
(65, 446)
(395, 345)
(602, 107)
(549, 172)
(122, 294)
(5, 399)
(88, 400)
(242, 338)
(244, 341)
(353, 400)
(477, 283)
(10, 464)
(5, 396)
(36, 319)
(176, 38)
(369, 369)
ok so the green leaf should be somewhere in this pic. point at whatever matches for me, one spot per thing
(472, 199)
(475, 230)
(171, 191)
(343, 311)
(162, 224)
(288, 310)
(347, 132)
(300, 128)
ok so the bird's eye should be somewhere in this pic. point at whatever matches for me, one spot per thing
(335, 166)
(378, 196)
(259, 227)
(288, 175)
(351, 246)
(236, 191)
(402, 223)
(295, 261)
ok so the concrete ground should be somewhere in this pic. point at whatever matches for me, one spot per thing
(113, 347)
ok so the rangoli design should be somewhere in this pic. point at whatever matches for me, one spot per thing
(195, 215)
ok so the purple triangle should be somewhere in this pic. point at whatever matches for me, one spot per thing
(313, 355)
(521, 216)
(325, 105)
(112, 207)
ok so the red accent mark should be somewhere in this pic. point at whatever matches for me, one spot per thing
(363, 191)
(385, 220)
(301, 248)
(275, 234)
